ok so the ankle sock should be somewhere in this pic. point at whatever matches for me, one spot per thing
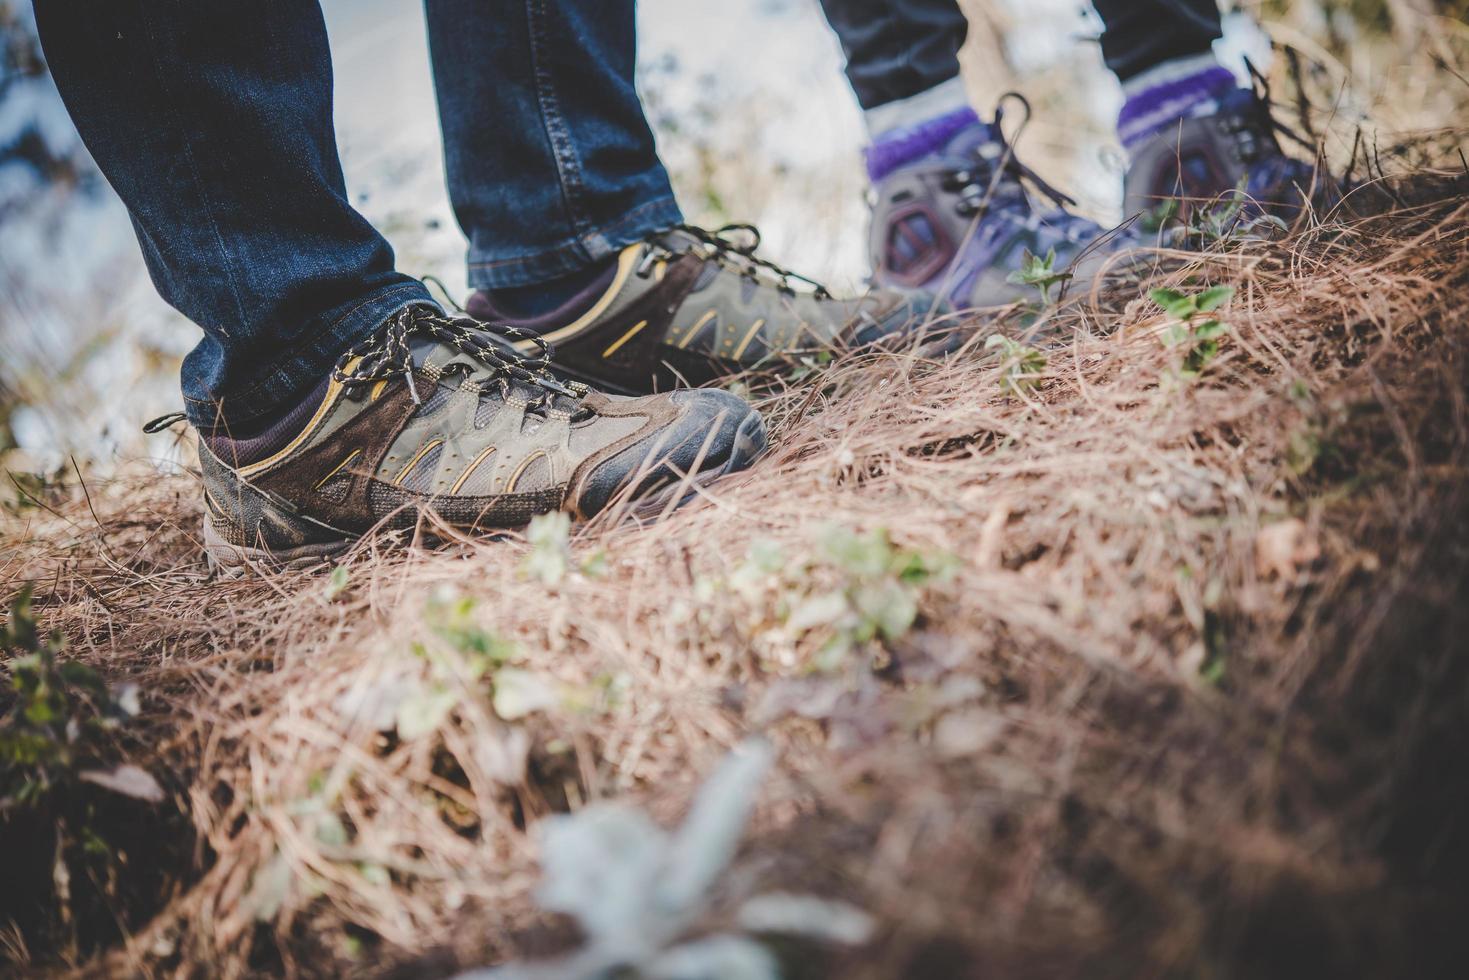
(240, 445)
(941, 100)
(1178, 89)
(903, 144)
(518, 303)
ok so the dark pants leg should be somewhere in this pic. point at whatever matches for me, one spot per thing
(551, 163)
(898, 48)
(213, 122)
(1141, 34)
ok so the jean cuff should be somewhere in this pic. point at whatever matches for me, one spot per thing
(307, 364)
(491, 271)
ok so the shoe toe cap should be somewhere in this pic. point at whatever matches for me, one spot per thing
(714, 430)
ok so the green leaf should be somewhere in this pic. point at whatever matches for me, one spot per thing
(1175, 334)
(818, 610)
(520, 692)
(1173, 302)
(1210, 329)
(1213, 298)
(424, 711)
(337, 584)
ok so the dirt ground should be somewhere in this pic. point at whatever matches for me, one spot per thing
(1136, 649)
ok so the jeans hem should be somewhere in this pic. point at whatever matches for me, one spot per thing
(293, 377)
(487, 271)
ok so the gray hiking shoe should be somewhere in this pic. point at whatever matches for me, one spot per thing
(687, 306)
(1227, 156)
(951, 216)
(440, 415)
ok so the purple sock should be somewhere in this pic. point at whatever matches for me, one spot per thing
(893, 149)
(1159, 98)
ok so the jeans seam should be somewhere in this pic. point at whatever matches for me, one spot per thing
(563, 150)
(579, 242)
(188, 154)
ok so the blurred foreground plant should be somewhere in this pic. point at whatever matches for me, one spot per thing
(640, 893)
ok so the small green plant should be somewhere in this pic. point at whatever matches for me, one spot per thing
(855, 589)
(78, 846)
(459, 661)
(459, 655)
(550, 560)
(1232, 216)
(1157, 218)
(646, 898)
(1193, 328)
(337, 583)
(52, 735)
(1040, 273)
(1021, 366)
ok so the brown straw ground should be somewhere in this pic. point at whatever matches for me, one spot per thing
(1185, 692)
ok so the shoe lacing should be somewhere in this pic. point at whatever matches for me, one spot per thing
(730, 253)
(997, 163)
(386, 356)
(1255, 127)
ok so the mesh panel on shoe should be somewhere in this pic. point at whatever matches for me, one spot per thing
(533, 476)
(480, 478)
(335, 489)
(435, 401)
(421, 477)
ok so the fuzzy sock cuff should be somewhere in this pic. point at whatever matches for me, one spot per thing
(1174, 90)
(942, 99)
(899, 146)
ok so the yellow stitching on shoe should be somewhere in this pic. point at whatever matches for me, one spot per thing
(748, 337)
(339, 468)
(398, 480)
(626, 261)
(333, 389)
(520, 470)
(624, 338)
(698, 325)
(464, 477)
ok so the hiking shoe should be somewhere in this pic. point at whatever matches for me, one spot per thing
(1226, 155)
(688, 306)
(951, 216)
(438, 415)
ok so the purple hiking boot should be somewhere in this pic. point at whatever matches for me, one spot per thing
(952, 218)
(1204, 141)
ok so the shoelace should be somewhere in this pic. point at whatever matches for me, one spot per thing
(721, 247)
(976, 188)
(386, 355)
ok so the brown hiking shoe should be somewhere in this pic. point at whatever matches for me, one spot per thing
(440, 415)
(688, 306)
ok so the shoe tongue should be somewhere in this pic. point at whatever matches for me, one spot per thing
(678, 240)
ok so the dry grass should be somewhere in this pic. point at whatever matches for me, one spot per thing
(1191, 704)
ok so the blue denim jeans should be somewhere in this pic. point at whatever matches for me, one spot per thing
(898, 48)
(212, 119)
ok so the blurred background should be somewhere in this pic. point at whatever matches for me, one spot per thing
(754, 119)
